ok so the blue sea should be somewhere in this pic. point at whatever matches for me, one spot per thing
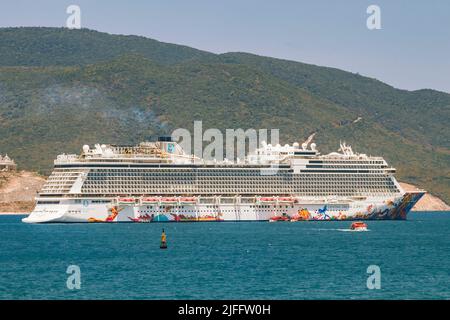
(226, 260)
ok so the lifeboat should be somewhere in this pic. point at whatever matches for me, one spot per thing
(285, 199)
(149, 200)
(169, 200)
(267, 200)
(358, 226)
(188, 200)
(126, 200)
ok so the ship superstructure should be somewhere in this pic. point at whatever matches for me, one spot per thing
(159, 181)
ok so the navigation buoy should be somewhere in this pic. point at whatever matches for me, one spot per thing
(163, 244)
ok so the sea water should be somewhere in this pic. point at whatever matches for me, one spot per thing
(227, 260)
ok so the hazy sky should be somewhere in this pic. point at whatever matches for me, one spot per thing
(411, 51)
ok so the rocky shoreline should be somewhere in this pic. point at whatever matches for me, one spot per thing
(428, 201)
(17, 191)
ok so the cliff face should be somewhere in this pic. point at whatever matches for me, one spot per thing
(18, 189)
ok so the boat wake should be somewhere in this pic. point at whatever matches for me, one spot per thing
(341, 230)
(351, 230)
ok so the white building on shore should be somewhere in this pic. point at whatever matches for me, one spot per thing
(7, 164)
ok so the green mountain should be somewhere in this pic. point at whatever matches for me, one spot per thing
(60, 89)
(62, 47)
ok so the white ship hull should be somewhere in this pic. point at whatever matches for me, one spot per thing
(89, 211)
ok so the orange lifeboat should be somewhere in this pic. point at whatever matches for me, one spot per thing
(129, 200)
(358, 226)
(188, 200)
(169, 200)
(286, 199)
(267, 199)
(149, 200)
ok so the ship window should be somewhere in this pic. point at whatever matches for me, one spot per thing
(47, 202)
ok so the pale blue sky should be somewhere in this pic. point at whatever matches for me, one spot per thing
(412, 50)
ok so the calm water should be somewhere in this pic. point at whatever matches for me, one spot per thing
(259, 260)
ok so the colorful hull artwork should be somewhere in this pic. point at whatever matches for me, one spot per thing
(396, 209)
(145, 218)
(114, 212)
(393, 209)
(187, 218)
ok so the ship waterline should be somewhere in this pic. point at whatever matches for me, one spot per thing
(159, 182)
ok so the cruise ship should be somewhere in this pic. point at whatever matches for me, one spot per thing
(160, 182)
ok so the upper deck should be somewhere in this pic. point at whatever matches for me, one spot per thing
(169, 153)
